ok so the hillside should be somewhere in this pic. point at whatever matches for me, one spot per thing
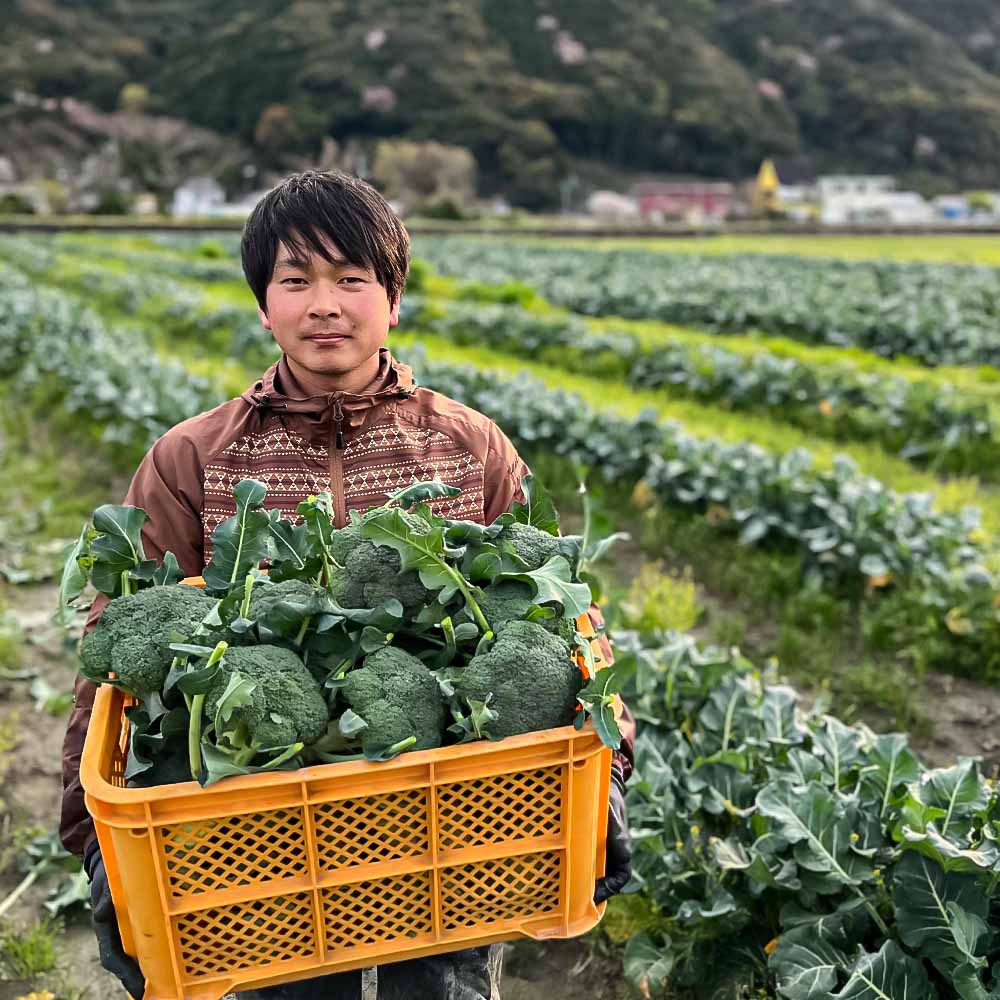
(536, 88)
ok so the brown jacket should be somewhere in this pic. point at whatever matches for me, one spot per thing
(359, 447)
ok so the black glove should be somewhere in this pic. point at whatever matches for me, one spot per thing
(109, 942)
(618, 868)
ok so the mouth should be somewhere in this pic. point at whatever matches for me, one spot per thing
(329, 338)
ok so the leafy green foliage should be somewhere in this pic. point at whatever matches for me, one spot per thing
(869, 874)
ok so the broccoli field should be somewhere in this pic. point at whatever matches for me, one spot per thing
(804, 454)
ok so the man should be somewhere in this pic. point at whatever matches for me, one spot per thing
(327, 261)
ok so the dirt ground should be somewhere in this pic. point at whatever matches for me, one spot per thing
(963, 713)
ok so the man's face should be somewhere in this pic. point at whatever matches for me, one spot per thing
(330, 319)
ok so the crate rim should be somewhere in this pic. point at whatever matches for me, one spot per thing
(99, 733)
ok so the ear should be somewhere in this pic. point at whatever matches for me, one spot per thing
(265, 322)
(394, 314)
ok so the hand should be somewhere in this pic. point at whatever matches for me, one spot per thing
(109, 942)
(618, 868)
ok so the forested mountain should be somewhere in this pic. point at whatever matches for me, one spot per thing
(537, 88)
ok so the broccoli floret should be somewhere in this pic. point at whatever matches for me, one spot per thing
(529, 673)
(371, 573)
(286, 707)
(503, 602)
(265, 596)
(398, 697)
(132, 635)
(534, 546)
(564, 628)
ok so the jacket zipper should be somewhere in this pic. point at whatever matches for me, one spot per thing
(337, 464)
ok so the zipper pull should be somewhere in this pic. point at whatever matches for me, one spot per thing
(338, 420)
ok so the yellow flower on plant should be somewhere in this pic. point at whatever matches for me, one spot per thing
(41, 995)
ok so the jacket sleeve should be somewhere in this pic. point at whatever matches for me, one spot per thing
(166, 487)
(504, 469)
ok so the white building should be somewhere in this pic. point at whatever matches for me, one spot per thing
(846, 199)
(198, 196)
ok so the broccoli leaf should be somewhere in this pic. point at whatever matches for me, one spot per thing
(118, 547)
(553, 581)
(458, 533)
(598, 700)
(350, 724)
(73, 579)
(218, 764)
(240, 542)
(419, 492)
(422, 553)
(166, 574)
(538, 510)
(473, 726)
(169, 572)
(239, 691)
(373, 638)
(291, 550)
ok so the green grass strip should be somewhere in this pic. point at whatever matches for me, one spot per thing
(947, 248)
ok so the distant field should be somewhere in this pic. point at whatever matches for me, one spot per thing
(949, 248)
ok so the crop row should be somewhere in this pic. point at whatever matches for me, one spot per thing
(936, 313)
(925, 424)
(81, 367)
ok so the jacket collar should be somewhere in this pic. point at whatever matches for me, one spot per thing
(278, 390)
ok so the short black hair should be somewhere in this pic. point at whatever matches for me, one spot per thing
(344, 209)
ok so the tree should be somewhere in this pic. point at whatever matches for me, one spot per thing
(420, 174)
(276, 130)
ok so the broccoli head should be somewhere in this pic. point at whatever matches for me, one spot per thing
(287, 706)
(371, 573)
(265, 596)
(398, 697)
(531, 544)
(132, 635)
(531, 676)
(508, 601)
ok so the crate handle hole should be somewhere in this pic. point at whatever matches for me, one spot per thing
(580, 764)
(138, 834)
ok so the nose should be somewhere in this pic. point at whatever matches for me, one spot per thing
(325, 301)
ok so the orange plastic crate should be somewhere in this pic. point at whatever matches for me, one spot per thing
(269, 878)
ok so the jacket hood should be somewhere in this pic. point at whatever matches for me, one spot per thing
(278, 391)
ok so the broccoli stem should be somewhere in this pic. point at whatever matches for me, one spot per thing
(126, 583)
(194, 726)
(281, 758)
(302, 631)
(247, 591)
(470, 601)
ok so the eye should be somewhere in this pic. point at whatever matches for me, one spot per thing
(285, 281)
(354, 277)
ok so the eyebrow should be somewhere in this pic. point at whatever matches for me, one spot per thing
(300, 264)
